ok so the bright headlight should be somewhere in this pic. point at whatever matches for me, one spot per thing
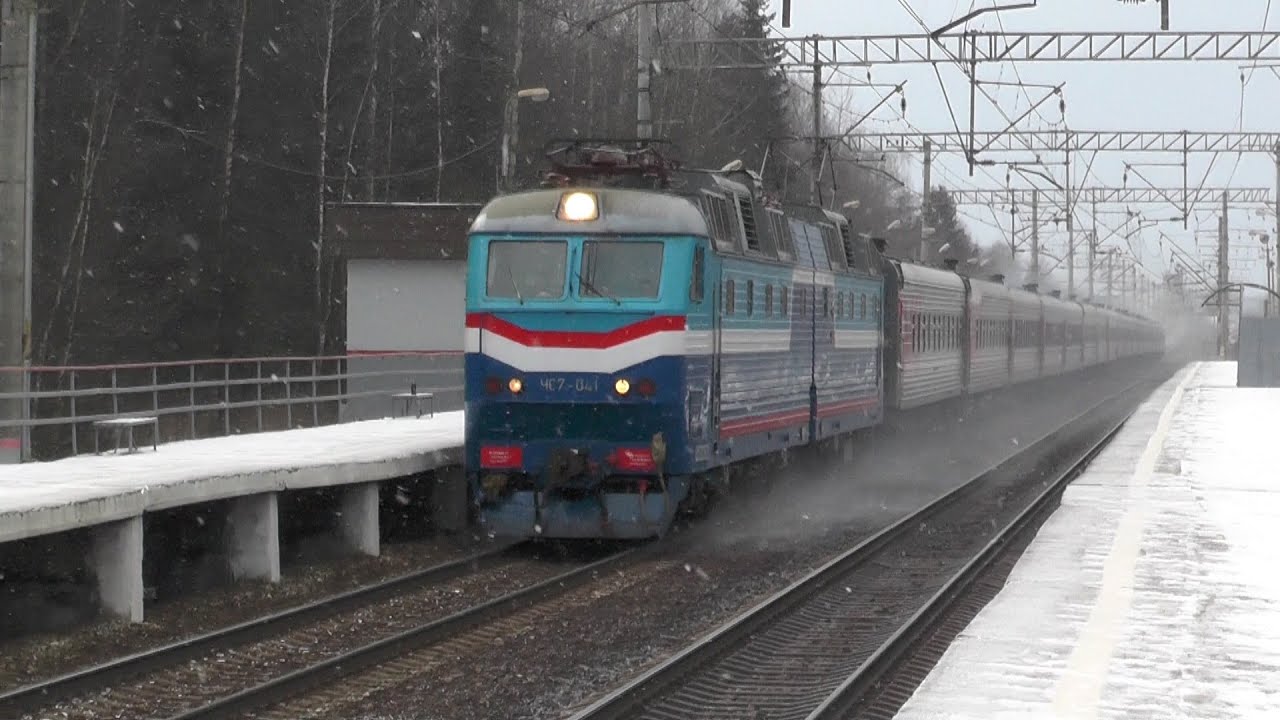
(578, 207)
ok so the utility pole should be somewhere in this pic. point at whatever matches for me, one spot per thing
(928, 166)
(645, 25)
(1126, 282)
(1110, 257)
(17, 196)
(1093, 249)
(1071, 236)
(1035, 237)
(511, 109)
(817, 129)
(1224, 277)
(1136, 300)
(1275, 272)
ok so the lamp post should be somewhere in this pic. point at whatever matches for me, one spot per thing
(511, 133)
(1265, 239)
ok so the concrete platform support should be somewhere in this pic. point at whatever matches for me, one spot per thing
(253, 537)
(359, 520)
(449, 500)
(115, 558)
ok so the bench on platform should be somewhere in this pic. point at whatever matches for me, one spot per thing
(414, 400)
(126, 425)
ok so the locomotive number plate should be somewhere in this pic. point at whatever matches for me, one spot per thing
(559, 384)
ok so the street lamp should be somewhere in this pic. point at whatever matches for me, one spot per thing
(511, 131)
(1265, 239)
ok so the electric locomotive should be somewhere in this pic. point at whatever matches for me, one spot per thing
(638, 335)
(633, 330)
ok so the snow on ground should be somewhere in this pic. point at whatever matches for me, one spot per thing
(1152, 592)
(47, 497)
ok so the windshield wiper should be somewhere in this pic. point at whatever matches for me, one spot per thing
(582, 282)
(515, 285)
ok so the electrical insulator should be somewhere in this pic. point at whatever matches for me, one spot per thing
(1062, 106)
(904, 105)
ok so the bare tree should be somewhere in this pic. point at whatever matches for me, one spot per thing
(329, 22)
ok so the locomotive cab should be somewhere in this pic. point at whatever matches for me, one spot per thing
(577, 331)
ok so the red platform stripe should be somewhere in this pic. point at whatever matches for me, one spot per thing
(574, 339)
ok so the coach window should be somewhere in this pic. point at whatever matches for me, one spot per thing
(751, 297)
(826, 302)
(728, 297)
(785, 293)
(696, 289)
(863, 300)
(768, 300)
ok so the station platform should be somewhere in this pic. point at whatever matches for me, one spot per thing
(1152, 591)
(109, 493)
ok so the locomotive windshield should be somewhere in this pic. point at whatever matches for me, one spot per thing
(527, 269)
(615, 269)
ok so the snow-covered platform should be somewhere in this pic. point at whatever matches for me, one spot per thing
(109, 493)
(1153, 591)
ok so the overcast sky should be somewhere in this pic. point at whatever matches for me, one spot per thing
(1104, 95)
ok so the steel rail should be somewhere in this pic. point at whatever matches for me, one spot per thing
(631, 699)
(856, 688)
(348, 663)
(14, 703)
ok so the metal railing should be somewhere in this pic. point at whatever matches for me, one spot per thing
(207, 398)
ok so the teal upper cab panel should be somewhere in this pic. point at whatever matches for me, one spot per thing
(636, 257)
(621, 212)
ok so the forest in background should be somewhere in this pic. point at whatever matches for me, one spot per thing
(186, 150)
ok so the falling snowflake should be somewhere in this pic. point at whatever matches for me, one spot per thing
(119, 228)
(416, 35)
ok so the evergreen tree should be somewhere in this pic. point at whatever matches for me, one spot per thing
(949, 239)
(757, 98)
(478, 90)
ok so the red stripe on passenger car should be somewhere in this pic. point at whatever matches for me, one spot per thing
(574, 339)
(761, 423)
(10, 444)
(847, 406)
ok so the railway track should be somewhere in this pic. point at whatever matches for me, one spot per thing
(227, 672)
(821, 647)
